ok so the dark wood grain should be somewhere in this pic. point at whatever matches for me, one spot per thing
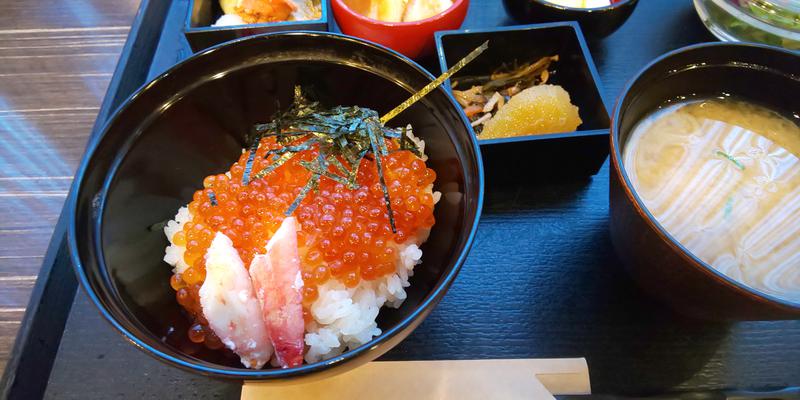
(541, 281)
(56, 59)
(10, 318)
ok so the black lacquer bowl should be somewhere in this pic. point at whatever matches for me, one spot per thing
(191, 122)
(596, 23)
(658, 262)
(565, 155)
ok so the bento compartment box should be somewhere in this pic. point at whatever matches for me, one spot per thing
(203, 13)
(580, 153)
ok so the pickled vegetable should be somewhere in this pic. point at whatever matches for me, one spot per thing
(536, 110)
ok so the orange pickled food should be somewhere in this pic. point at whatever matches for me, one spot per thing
(345, 234)
(536, 110)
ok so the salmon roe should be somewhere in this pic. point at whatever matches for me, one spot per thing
(344, 233)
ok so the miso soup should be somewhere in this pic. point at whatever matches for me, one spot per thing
(723, 178)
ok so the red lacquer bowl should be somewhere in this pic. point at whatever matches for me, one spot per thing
(412, 39)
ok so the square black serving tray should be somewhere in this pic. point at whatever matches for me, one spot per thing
(203, 13)
(570, 154)
(541, 280)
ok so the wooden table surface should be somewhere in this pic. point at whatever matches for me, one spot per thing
(56, 59)
(554, 236)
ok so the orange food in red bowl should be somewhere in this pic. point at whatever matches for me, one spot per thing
(411, 38)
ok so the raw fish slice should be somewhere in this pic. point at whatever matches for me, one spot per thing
(230, 306)
(277, 282)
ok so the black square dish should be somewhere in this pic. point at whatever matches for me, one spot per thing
(578, 153)
(203, 13)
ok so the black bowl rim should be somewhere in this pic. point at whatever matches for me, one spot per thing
(587, 56)
(323, 19)
(567, 9)
(416, 316)
(617, 160)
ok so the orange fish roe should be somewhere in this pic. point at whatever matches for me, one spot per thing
(345, 233)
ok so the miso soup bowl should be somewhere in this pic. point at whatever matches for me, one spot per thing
(192, 121)
(658, 262)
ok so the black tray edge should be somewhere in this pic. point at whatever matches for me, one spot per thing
(36, 345)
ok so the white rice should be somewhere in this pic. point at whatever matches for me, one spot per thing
(343, 318)
(173, 255)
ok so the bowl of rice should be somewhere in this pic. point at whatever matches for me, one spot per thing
(249, 215)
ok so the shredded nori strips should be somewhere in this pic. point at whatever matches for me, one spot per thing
(343, 135)
(213, 198)
(249, 166)
(435, 83)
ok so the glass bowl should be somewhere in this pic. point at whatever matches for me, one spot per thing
(773, 22)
